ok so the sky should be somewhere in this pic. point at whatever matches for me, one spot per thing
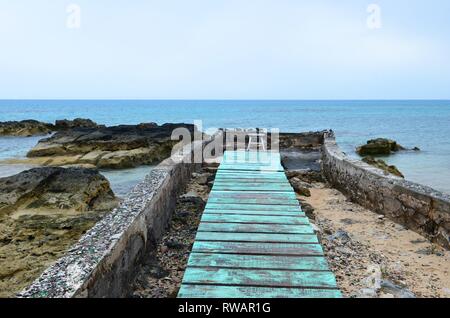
(224, 49)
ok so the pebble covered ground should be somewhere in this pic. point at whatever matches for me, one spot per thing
(371, 256)
(161, 275)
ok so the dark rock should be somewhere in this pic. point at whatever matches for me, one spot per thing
(308, 209)
(66, 124)
(349, 221)
(183, 214)
(398, 292)
(193, 198)
(416, 149)
(341, 236)
(56, 188)
(24, 128)
(174, 244)
(381, 164)
(301, 187)
(156, 271)
(380, 146)
(305, 140)
(305, 175)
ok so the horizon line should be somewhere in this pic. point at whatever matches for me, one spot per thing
(222, 99)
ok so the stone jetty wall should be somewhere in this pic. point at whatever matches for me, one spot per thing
(103, 262)
(417, 207)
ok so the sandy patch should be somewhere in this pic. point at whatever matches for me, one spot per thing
(403, 256)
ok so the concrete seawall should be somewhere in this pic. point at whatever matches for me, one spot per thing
(103, 262)
(419, 208)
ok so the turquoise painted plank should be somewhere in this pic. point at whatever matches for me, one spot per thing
(251, 212)
(253, 207)
(259, 277)
(254, 219)
(247, 174)
(258, 261)
(258, 248)
(253, 195)
(263, 158)
(271, 201)
(242, 181)
(251, 167)
(256, 237)
(235, 292)
(239, 176)
(261, 195)
(253, 187)
(252, 173)
(255, 228)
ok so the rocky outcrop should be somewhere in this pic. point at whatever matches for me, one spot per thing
(24, 128)
(65, 124)
(43, 211)
(379, 146)
(54, 188)
(381, 164)
(307, 140)
(117, 147)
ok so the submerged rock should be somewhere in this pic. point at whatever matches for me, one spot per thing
(379, 146)
(24, 128)
(117, 147)
(381, 164)
(54, 188)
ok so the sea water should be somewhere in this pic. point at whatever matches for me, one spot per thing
(424, 124)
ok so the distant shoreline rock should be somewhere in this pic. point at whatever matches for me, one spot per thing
(30, 127)
(24, 128)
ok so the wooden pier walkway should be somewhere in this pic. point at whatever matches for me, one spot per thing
(253, 240)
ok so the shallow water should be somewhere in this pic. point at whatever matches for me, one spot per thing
(425, 124)
(123, 181)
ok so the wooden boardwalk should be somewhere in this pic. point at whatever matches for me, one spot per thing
(253, 240)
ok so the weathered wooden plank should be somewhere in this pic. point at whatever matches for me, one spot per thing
(242, 181)
(258, 248)
(258, 261)
(254, 219)
(256, 237)
(259, 207)
(270, 201)
(256, 167)
(253, 195)
(259, 277)
(268, 187)
(217, 291)
(245, 176)
(251, 212)
(255, 228)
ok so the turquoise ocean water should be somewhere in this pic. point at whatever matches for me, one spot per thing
(425, 124)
